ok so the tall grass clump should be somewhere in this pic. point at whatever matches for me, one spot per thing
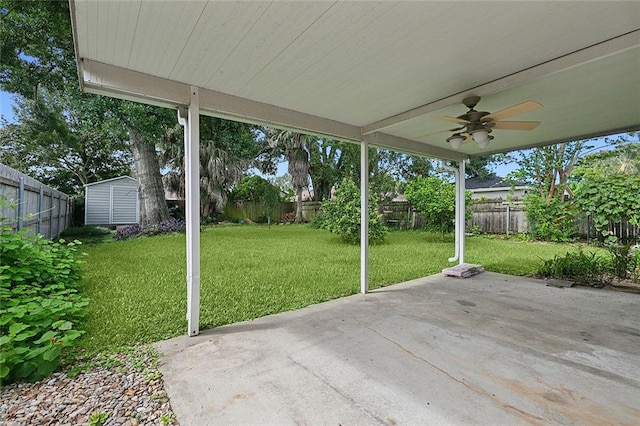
(585, 268)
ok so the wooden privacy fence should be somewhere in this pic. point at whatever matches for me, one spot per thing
(255, 211)
(496, 216)
(34, 206)
(625, 231)
(489, 216)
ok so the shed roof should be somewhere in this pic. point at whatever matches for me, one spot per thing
(111, 180)
(375, 71)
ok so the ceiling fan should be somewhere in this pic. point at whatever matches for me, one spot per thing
(478, 125)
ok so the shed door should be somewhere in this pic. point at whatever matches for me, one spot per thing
(124, 205)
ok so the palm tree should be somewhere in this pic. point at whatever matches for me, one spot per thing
(220, 169)
(295, 149)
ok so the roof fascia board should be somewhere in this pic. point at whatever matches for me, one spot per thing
(76, 48)
(606, 48)
(110, 180)
(412, 147)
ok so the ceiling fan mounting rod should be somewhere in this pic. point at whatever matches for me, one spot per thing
(471, 101)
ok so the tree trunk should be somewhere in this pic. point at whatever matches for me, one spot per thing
(299, 206)
(153, 207)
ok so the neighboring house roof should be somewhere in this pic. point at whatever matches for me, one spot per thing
(492, 183)
(112, 179)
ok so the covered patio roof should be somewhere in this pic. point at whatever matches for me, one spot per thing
(375, 71)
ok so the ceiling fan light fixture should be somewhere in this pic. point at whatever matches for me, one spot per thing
(483, 143)
(481, 137)
(456, 141)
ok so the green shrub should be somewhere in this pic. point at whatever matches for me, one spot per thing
(40, 306)
(435, 198)
(586, 268)
(549, 219)
(610, 199)
(341, 215)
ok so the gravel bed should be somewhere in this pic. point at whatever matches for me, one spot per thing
(119, 389)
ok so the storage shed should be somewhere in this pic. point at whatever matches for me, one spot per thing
(112, 202)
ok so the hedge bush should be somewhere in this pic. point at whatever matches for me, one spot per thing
(41, 306)
(341, 215)
(435, 198)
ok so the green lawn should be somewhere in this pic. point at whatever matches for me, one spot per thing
(137, 288)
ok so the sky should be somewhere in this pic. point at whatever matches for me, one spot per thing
(6, 103)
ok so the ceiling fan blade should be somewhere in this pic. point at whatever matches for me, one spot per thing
(451, 119)
(514, 110)
(516, 125)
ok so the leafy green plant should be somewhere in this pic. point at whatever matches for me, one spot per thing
(610, 200)
(435, 198)
(98, 418)
(550, 219)
(167, 419)
(623, 260)
(586, 268)
(635, 273)
(341, 215)
(40, 306)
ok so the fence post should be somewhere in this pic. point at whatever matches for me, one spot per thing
(508, 218)
(20, 202)
(67, 213)
(40, 208)
(51, 215)
(59, 214)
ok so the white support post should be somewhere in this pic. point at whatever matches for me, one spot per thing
(456, 219)
(364, 217)
(461, 210)
(192, 203)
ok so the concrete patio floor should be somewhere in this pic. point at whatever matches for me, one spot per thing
(492, 349)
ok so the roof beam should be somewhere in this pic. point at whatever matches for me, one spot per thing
(412, 147)
(597, 51)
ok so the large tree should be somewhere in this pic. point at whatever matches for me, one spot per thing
(61, 144)
(330, 161)
(548, 169)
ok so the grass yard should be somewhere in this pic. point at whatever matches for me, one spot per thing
(137, 287)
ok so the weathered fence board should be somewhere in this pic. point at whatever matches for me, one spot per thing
(35, 207)
(495, 216)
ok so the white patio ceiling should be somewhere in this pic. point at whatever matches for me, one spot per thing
(378, 71)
